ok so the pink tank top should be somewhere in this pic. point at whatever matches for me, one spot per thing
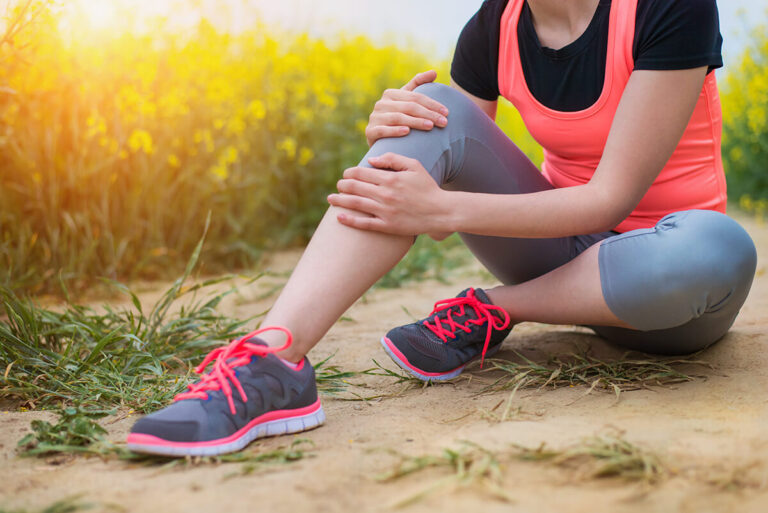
(573, 142)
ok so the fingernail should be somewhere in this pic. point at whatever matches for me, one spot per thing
(404, 130)
(441, 120)
(444, 111)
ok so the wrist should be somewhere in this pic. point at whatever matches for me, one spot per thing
(448, 219)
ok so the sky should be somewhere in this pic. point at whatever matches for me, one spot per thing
(432, 26)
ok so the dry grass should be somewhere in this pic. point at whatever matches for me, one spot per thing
(617, 376)
(604, 456)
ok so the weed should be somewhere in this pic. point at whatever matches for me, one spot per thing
(602, 456)
(331, 379)
(469, 465)
(584, 370)
(115, 357)
(75, 431)
(597, 457)
(68, 505)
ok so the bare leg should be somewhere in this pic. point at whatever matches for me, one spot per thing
(569, 294)
(338, 266)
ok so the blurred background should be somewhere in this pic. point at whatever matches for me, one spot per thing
(124, 123)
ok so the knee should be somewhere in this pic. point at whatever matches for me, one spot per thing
(715, 249)
(692, 263)
(457, 103)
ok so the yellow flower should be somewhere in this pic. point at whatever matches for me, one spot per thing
(220, 172)
(305, 155)
(288, 145)
(173, 161)
(256, 110)
(230, 155)
(141, 140)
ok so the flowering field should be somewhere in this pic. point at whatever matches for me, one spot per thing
(114, 150)
(745, 145)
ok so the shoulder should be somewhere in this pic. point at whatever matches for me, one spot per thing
(475, 60)
(652, 13)
(488, 17)
(677, 34)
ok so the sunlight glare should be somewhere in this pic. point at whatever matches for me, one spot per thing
(100, 14)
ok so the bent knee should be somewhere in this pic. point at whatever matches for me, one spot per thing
(690, 264)
(713, 246)
(457, 103)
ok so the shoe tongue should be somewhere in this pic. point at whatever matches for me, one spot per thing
(483, 297)
(255, 341)
(479, 294)
(469, 312)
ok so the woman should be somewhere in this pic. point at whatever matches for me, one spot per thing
(622, 230)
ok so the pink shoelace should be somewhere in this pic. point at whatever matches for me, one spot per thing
(238, 352)
(484, 314)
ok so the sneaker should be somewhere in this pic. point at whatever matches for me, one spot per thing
(457, 331)
(269, 398)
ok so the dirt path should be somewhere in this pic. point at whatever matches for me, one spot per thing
(713, 429)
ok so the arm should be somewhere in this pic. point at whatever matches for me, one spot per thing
(489, 107)
(650, 120)
(654, 110)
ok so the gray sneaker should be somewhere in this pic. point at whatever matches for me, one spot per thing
(269, 398)
(458, 330)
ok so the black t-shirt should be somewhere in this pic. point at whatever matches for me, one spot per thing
(669, 34)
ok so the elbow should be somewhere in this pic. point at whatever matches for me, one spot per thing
(608, 211)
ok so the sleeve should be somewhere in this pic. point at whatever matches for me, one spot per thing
(674, 34)
(475, 63)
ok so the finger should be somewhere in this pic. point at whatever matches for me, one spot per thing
(374, 133)
(394, 162)
(421, 78)
(412, 109)
(422, 99)
(358, 188)
(367, 174)
(361, 223)
(401, 119)
(357, 203)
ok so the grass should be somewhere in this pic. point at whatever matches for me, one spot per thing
(77, 432)
(602, 456)
(126, 357)
(471, 465)
(617, 376)
(427, 259)
(68, 505)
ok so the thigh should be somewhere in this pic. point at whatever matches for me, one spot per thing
(681, 283)
(472, 154)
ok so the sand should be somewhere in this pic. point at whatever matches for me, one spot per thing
(707, 431)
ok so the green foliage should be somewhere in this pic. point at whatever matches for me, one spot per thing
(114, 357)
(745, 126)
(113, 150)
(427, 259)
(75, 431)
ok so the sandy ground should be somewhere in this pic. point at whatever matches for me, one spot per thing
(712, 429)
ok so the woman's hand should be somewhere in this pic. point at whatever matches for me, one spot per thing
(400, 110)
(403, 201)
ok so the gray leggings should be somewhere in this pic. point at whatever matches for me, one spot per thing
(680, 284)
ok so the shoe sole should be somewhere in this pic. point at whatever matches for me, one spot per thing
(274, 423)
(400, 359)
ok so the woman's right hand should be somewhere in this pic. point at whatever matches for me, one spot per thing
(400, 110)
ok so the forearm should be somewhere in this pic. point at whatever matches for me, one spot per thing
(553, 213)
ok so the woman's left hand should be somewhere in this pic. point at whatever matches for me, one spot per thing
(402, 201)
